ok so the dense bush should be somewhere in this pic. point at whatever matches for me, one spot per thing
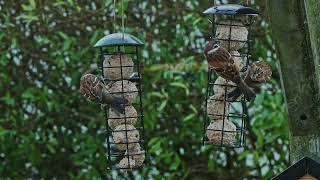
(48, 130)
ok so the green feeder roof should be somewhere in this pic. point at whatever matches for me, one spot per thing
(231, 9)
(119, 39)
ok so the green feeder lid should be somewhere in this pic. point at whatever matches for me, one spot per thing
(119, 39)
(231, 9)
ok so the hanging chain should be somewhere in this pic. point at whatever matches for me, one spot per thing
(122, 15)
(114, 15)
(122, 19)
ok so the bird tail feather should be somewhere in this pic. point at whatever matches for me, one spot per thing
(234, 95)
(244, 89)
(247, 92)
(119, 104)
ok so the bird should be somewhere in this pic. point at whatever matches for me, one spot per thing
(94, 90)
(222, 62)
(257, 75)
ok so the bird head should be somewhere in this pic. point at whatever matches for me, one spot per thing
(93, 71)
(211, 48)
(89, 82)
(260, 71)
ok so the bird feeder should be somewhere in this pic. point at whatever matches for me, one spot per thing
(225, 117)
(121, 72)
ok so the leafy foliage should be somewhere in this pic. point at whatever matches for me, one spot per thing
(48, 130)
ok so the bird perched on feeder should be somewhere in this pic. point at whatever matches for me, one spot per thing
(93, 88)
(222, 62)
(257, 75)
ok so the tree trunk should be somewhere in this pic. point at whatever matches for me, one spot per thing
(296, 29)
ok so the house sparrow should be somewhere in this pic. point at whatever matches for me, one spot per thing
(222, 62)
(93, 88)
(257, 75)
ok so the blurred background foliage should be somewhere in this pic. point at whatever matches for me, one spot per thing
(48, 130)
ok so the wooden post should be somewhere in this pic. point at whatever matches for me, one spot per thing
(296, 29)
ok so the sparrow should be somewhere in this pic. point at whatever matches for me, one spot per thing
(222, 62)
(93, 89)
(257, 75)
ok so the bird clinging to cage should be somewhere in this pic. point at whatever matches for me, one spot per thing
(92, 88)
(222, 62)
(257, 75)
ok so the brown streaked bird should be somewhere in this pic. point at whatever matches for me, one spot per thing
(258, 74)
(222, 62)
(93, 88)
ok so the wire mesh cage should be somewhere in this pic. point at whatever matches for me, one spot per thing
(121, 72)
(225, 115)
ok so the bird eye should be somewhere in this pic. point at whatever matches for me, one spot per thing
(215, 46)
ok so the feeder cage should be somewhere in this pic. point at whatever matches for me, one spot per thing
(121, 71)
(225, 117)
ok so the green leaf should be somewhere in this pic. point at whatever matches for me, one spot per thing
(3, 132)
(32, 3)
(211, 165)
(26, 7)
(162, 105)
(28, 94)
(51, 148)
(175, 163)
(188, 118)
(196, 21)
(156, 147)
(193, 109)
(155, 94)
(28, 18)
(180, 85)
(8, 100)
